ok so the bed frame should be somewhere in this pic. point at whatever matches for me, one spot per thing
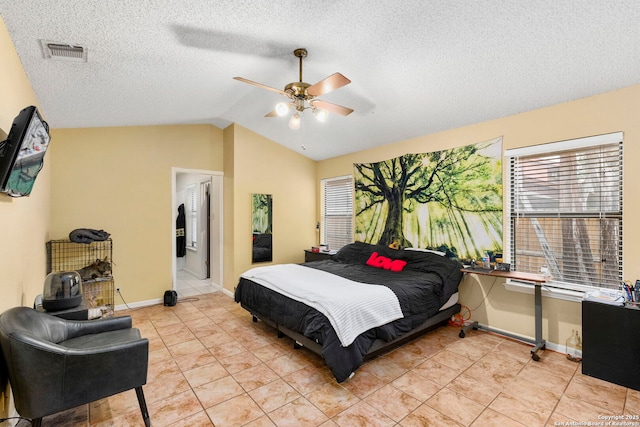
(379, 346)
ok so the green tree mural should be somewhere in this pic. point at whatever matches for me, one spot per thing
(450, 199)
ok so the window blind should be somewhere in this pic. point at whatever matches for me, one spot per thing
(337, 211)
(566, 210)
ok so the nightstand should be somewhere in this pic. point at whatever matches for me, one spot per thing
(309, 255)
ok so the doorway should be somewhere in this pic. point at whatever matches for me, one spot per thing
(200, 194)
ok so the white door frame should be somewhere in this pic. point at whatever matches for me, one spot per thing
(217, 224)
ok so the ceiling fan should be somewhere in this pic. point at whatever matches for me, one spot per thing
(302, 95)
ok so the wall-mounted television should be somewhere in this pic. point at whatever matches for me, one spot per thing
(22, 154)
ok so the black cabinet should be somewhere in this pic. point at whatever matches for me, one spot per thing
(316, 256)
(611, 343)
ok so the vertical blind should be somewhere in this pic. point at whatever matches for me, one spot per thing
(566, 210)
(337, 211)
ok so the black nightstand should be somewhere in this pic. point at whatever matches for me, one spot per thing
(610, 345)
(316, 256)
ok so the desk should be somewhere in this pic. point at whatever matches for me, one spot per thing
(537, 280)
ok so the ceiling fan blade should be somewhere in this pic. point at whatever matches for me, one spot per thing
(251, 82)
(331, 108)
(272, 114)
(333, 82)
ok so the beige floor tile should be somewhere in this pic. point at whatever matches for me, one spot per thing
(416, 386)
(426, 416)
(287, 363)
(274, 395)
(195, 360)
(578, 410)
(363, 383)
(332, 398)
(200, 419)
(537, 395)
(410, 355)
(217, 391)
(297, 413)
(255, 377)
(455, 406)
(603, 394)
(174, 408)
(491, 418)
(474, 346)
(239, 362)
(479, 391)
(632, 403)
(363, 415)
(436, 372)
(521, 410)
(453, 360)
(307, 379)
(187, 347)
(383, 368)
(393, 402)
(238, 410)
(205, 374)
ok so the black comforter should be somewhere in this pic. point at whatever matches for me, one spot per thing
(422, 287)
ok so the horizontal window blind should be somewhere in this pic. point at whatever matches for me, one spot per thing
(566, 211)
(337, 211)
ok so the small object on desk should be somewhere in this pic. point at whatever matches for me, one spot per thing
(486, 261)
(605, 296)
(627, 291)
(503, 266)
(315, 249)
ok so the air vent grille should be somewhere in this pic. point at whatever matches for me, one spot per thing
(63, 51)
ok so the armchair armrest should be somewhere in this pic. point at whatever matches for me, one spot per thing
(77, 328)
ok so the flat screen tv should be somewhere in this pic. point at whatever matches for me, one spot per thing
(22, 154)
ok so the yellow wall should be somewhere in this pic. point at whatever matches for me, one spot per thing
(119, 180)
(259, 165)
(609, 112)
(24, 222)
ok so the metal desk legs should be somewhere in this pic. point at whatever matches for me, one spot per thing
(538, 343)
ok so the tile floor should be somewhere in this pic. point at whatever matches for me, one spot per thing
(209, 364)
(188, 286)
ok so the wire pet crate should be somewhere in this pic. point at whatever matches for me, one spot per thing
(93, 261)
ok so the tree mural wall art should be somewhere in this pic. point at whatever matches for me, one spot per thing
(448, 200)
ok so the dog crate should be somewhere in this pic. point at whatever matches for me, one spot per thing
(93, 261)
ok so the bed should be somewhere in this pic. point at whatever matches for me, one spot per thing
(360, 303)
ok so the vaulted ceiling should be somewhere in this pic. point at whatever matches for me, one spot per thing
(416, 66)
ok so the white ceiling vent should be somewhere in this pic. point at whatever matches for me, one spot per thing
(63, 51)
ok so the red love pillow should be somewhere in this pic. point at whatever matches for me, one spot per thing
(379, 261)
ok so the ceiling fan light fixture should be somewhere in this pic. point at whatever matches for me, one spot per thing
(294, 121)
(282, 108)
(321, 115)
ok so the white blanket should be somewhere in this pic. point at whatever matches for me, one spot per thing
(351, 307)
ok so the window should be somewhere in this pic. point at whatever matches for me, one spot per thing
(337, 211)
(192, 216)
(565, 211)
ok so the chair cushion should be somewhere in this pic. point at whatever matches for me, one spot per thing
(104, 339)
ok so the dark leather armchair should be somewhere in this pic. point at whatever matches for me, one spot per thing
(55, 364)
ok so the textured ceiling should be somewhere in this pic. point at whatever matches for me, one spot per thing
(417, 67)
